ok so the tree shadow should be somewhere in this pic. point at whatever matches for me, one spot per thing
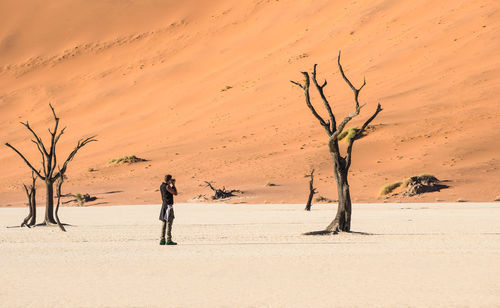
(326, 232)
(100, 203)
(110, 192)
(42, 224)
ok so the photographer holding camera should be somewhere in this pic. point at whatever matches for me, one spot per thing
(168, 191)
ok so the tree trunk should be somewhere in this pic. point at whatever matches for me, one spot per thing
(309, 200)
(30, 215)
(49, 205)
(342, 221)
(59, 185)
(30, 220)
(33, 208)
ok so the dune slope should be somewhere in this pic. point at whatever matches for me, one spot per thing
(202, 91)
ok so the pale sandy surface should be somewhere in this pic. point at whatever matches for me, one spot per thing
(255, 256)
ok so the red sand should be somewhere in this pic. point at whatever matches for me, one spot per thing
(148, 77)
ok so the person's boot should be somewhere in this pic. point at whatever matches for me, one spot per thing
(162, 242)
(170, 242)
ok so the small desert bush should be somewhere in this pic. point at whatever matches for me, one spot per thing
(387, 189)
(427, 177)
(79, 199)
(422, 178)
(126, 160)
(324, 199)
(348, 134)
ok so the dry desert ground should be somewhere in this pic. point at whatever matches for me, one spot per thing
(412, 255)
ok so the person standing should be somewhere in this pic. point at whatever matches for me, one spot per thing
(168, 191)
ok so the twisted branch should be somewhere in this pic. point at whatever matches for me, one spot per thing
(25, 160)
(81, 143)
(38, 139)
(305, 87)
(325, 101)
(358, 134)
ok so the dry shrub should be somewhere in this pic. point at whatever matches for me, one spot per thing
(348, 134)
(388, 188)
(126, 160)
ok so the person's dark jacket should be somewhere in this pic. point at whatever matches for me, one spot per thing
(167, 200)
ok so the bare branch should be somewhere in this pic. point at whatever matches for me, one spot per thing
(38, 139)
(53, 133)
(305, 87)
(325, 101)
(358, 134)
(362, 129)
(43, 156)
(59, 136)
(26, 161)
(356, 100)
(53, 148)
(27, 191)
(210, 185)
(297, 83)
(81, 143)
(53, 111)
(356, 91)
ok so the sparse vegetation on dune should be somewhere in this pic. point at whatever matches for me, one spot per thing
(425, 178)
(388, 188)
(348, 134)
(324, 199)
(414, 185)
(126, 160)
(79, 199)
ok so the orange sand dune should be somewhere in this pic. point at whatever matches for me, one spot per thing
(201, 90)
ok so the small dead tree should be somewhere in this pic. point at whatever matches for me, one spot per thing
(341, 164)
(49, 162)
(222, 193)
(30, 220)
(312, 191)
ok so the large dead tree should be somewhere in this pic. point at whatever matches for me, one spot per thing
(312, 191)
(341, 164)
(30, 220)
(49, 161)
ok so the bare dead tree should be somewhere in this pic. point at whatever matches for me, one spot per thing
(222, 193)
(341, 164)
(312, 191)
(49, 162)
(30, 220)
